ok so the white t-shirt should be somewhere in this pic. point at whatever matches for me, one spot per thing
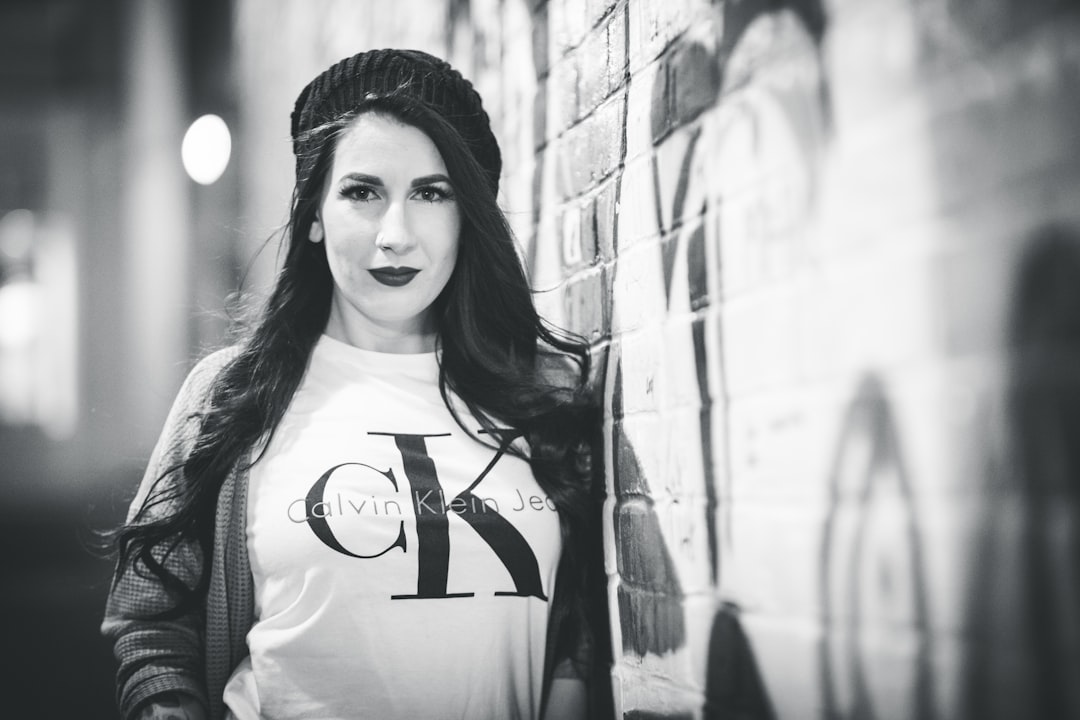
(402, 569)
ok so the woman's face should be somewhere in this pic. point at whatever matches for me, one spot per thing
(391, 225)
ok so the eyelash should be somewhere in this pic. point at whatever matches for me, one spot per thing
(353, 192)
(441, 195)
(364, 193)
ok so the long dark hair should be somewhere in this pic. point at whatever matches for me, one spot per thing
(493, 348)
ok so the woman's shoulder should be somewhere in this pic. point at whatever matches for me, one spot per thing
(201, 377)
(212, 363)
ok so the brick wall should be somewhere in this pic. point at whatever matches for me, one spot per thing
(829, 253)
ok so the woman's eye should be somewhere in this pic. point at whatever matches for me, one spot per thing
(360, 193)
(433, 194)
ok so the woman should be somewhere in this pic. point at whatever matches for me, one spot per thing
(377, 505)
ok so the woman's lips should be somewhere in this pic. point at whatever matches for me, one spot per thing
(393, 276)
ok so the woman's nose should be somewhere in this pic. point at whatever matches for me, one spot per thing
(394, 235)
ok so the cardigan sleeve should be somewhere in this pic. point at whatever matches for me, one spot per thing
(161, 655)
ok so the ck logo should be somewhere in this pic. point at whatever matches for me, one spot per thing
(432, 523)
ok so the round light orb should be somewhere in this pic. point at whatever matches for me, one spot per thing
(206, 149)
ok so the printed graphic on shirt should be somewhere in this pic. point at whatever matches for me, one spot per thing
(431, 510)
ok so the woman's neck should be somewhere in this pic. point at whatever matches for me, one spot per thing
(380, 338)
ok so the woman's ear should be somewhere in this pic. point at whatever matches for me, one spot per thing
(315, 234)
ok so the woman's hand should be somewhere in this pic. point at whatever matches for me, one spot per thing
(172, 706)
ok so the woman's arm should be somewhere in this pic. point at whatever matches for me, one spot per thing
(160, 657)
(567, 700)
(155, 656)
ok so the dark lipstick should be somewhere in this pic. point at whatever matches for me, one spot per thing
(394, 276)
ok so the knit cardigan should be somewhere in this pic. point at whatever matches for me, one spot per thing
(197, 653)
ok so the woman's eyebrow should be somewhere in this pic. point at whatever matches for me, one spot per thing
(430, 180)
(364, 178)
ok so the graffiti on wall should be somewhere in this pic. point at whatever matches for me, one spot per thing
(755, 154)
(876, 649)
(1024, 655)
(1044, 417)
(753, 136)
(649, 594)
(734, 687)
(750, 143)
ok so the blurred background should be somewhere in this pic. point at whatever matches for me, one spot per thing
(827, 254)
(127, 220)
(113, 267)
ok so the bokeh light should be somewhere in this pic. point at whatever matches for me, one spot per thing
(206, 149)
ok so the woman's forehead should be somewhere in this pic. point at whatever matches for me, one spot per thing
(376, 141)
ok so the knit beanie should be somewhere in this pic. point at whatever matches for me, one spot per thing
(411, 73)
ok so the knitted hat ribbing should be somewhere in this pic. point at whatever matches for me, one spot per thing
(412, 73)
